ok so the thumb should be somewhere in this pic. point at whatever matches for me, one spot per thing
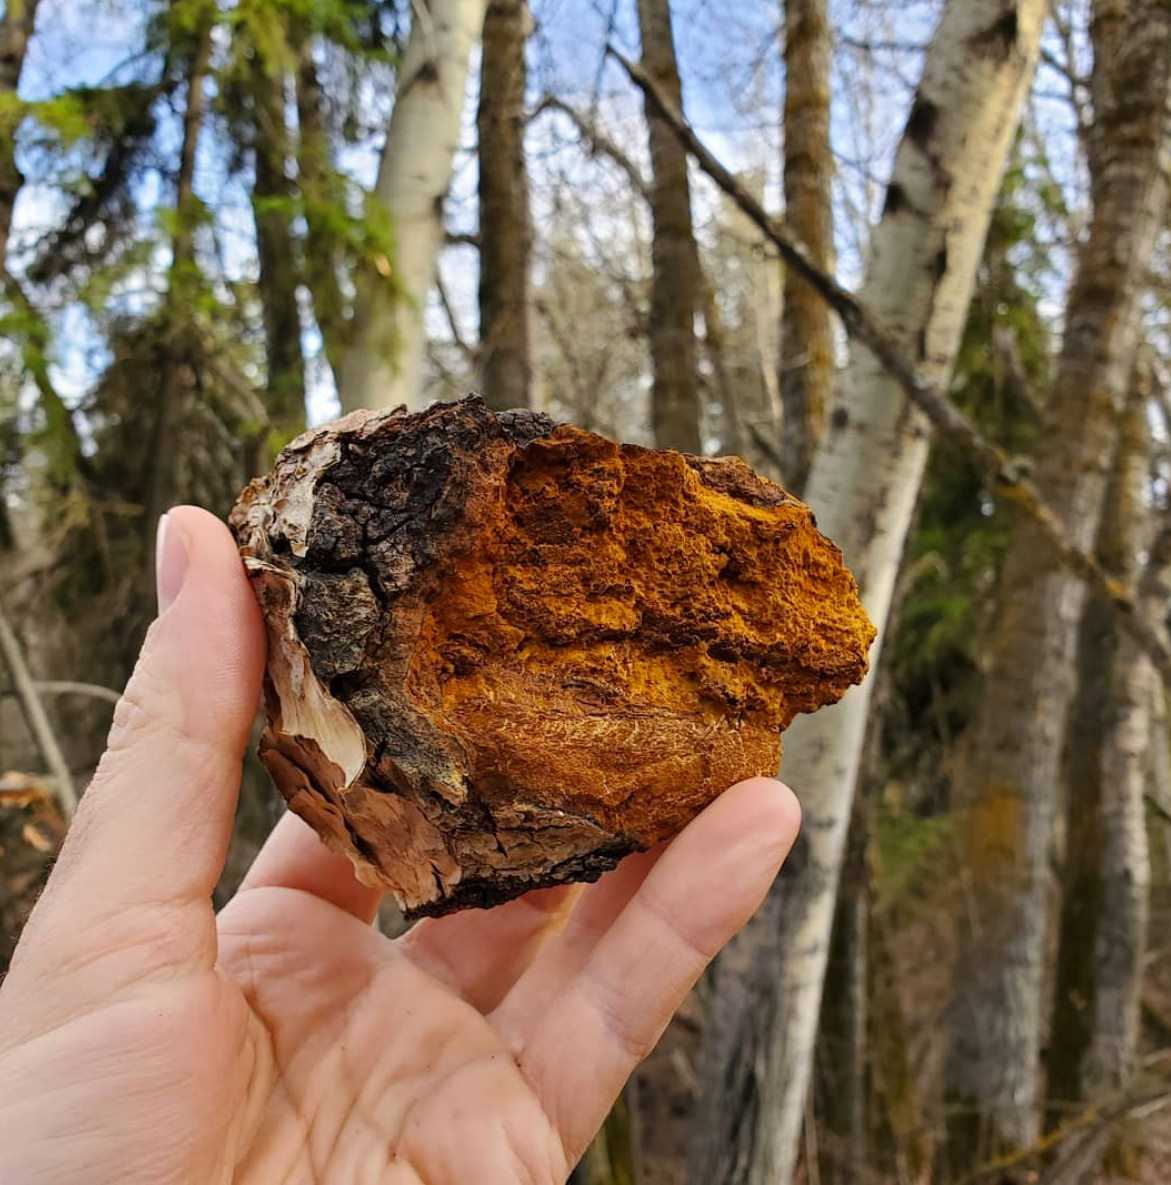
(154, 825)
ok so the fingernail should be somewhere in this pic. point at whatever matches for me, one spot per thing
(170, 563)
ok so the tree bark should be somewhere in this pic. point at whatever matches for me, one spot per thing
(675, 286)
(176, 376)
(383, 360)
(1096, 989)
(1007, 780)
(16, 28)
(505, 228)
(272, 207)
(322, 193)
(864, 483)
(807, 345)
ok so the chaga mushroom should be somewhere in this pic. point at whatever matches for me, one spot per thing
(504, 652)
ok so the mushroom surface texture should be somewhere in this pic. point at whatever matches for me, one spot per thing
(505, 652)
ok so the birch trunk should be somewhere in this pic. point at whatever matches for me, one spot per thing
(505, 228)
(807, 344)
(16, 28)
(675, 293)
(1008, 780)
(863, 485)
(383, 360)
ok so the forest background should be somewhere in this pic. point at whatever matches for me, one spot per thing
(908, 257)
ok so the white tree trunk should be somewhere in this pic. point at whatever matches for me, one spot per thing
(382, 362)
(863, 486)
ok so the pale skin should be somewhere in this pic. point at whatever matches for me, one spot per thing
(146, 1041)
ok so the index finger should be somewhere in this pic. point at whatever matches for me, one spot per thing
(577, 1053)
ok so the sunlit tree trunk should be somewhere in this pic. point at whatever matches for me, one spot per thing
(675, 291)
(505, 229)
(863, 486)
(383, 360)
(1008, 781)
(807, 347)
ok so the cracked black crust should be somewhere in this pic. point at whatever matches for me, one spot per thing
(488, 892)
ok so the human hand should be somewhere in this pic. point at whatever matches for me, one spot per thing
(145, 1041)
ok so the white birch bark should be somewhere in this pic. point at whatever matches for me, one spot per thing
(382, 362)
(863, 486)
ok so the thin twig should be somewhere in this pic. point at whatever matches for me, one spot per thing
(1085, 1124)
(596, 140)
(466, 350)
(1008, 474)
(71, 687)
(34, 714)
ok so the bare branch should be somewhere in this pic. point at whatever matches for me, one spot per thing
(468, 352)
(461, 239)
(597, 141)
(34, 714)
(1008, 475)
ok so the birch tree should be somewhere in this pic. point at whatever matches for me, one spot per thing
(675, 291)
(1009, 777)
(863, 485)
(505, 228)
(807, 345)
(382, 363)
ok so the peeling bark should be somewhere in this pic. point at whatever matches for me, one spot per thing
(504, 653)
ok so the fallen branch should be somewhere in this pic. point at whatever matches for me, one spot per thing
(1008, 474)
(34, 714)
(1070, 1138)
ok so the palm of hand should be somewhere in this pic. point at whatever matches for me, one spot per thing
(143, 1041)
(361, 1065)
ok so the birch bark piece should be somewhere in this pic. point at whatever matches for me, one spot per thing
(504, 653)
